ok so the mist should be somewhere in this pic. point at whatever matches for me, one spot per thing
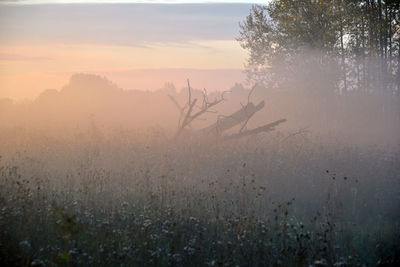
(291, 161)
(87, 99)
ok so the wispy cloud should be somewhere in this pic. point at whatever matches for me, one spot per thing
(133, 25)
(17, 57)
(35, 2)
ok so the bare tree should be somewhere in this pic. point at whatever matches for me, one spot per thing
(187, 113)
(223, 123)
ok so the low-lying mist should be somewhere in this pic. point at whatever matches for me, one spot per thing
(94, 174)
(89, 101)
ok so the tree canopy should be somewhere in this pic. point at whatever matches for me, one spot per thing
(330, 45)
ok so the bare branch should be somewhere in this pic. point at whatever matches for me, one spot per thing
(245, 123)
(180, 116)
(191, 111)
(300, 131)
(234, 119)
(204, 110)
(248, 101)
(190, 92)
(265, 128)
(188, 116)
(176, 103)
(205, 100)
(251, 91)
(186, 121)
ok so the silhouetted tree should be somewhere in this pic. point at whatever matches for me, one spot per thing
(347, 45)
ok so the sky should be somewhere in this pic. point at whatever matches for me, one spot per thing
(131, 1)
(41, 45)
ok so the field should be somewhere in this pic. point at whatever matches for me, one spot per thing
(200, 133)
(138, 199)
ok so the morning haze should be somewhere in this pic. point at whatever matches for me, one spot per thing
(207, 134)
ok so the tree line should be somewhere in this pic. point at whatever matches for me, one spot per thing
(331, 45)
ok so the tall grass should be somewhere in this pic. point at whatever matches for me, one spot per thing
(130, 199)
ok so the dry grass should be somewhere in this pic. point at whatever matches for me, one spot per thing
(130, 199)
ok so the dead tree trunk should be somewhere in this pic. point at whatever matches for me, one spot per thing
(265, 128)
(228, 122)
(188, 114)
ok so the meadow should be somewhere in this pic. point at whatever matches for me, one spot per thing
(136, 198)
(274, 141)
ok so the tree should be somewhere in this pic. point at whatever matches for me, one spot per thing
(190, 112)
(335, 45)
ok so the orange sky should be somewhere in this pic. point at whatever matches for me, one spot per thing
(30, 69)
(42, 45)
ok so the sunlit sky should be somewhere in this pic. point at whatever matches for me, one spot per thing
(133, 1)
(41, 45)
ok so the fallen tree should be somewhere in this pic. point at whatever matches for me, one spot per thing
(224, 123)
(188, 114)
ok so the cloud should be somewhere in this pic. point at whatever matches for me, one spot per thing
(132, 24)
(16, 57)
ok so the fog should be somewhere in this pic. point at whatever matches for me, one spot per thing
(89, 99)
(295, 166)
(91, 159)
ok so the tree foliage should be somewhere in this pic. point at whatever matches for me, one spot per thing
(335, 45)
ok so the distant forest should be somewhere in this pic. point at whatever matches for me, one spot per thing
(94, 101)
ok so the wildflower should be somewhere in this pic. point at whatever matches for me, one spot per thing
(25, 244)
(37, 262)
(321, 262)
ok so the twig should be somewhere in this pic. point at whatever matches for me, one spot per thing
(251, 91)
(190, 93)
(175, 102)
(301, 131)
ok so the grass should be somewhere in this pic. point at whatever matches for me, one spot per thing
(139, 201)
